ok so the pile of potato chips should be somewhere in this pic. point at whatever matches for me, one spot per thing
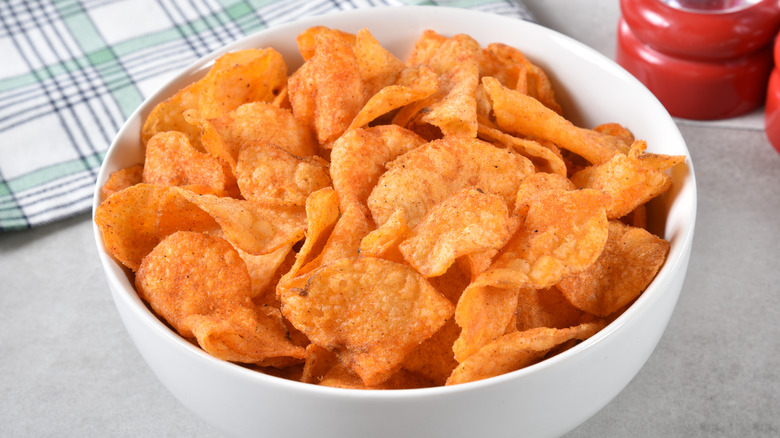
(369, 222)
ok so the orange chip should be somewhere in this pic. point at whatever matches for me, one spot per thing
(128, 223)
(327, 91)
(344, 241)
(358, 159)
(629, 262)
(269, 175)
(200, 285)
(307, 39)
(254, 229)
(545, 308)
(369, 311)
(545, 159)
(251, 75)
(530, 79)
(425, 48)
(626, 179)
(517, 350)
(122, 179)
(342, 377)
(383, 242)
(168, 115)
(443, 167)
(260, 122)
(318, 362)
(414, 84)
(172, 161)
(468, 222)
(378, 67)
(176, 213)
(563, 233)
(433, 358)
(483, 314)
(521, 114)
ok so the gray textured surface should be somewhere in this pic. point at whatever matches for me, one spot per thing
(69, 369)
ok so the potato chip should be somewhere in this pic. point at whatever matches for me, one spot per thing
(128, 223)
(250, 75)
(262, 269)
(517, 350)
(383, 242)
(530, 79)
(425, 48)
(628, 182)
(327, 91)
(521, 114)
(269, 175)
(358, 159)
(629, 262)
(369, 311)
(168, 115)
(260, 122)
(200, 285)
(378, 67)
(318, 362)
(256, 230)
(414, 84)
(342, 377)
(425, 176)
(453, 108)
(122, 179)
(563, 233)
(545, 159)
(545, 308)
(307, 39)
(176, 213)
(433, 359)
(170, 160)
(467, 222)
(344, 241)
(535, 184)
(483, 314)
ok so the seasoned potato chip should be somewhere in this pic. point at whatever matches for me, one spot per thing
(545, 308)
(327, 91)
(251, 75)
(199, 285)
(544, 158)
(626, 179)
(122, 179)
(358, 159)
(521, 114)
(383, 242)
(344, 241)
(172, 161)
(318, 362)
(483, 314)
(260, 122)
(425, 176)
(433, 358)
(378, 67)
(530, 79)
(269, 175)
(629, 262)
(414, 84)
(176, 213)
(467, 222)
(256, 230)
(307, 39)
(128, 223)
(517, 350)
(563, 233)
(453, 108)
(425, 48)
(369, 311)
(342, 377)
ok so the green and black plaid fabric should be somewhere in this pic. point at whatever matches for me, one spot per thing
(71, 71)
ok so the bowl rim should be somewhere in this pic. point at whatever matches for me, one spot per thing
(115, 273)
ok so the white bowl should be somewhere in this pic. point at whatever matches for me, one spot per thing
(546, 399)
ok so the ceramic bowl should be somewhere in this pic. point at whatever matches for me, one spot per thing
(546, 399)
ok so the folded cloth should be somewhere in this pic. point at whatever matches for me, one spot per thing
(73, 70)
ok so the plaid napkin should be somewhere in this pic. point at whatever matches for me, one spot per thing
(71, 71)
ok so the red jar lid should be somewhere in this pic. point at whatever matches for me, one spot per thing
(703, 29)
(696, 89)
(772, 110)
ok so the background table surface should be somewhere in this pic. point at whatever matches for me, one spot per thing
(68, 368)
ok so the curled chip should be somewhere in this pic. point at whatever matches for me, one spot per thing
(630, 260)
(467, 222)
(383, 242)
(517, 350)
(370, 312)
(521, 114)
(200, 286)
(122, 179)
(425, 176)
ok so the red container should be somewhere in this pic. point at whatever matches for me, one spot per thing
(772, 109)
(703, 59)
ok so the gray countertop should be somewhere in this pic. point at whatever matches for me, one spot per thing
(68, 367)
